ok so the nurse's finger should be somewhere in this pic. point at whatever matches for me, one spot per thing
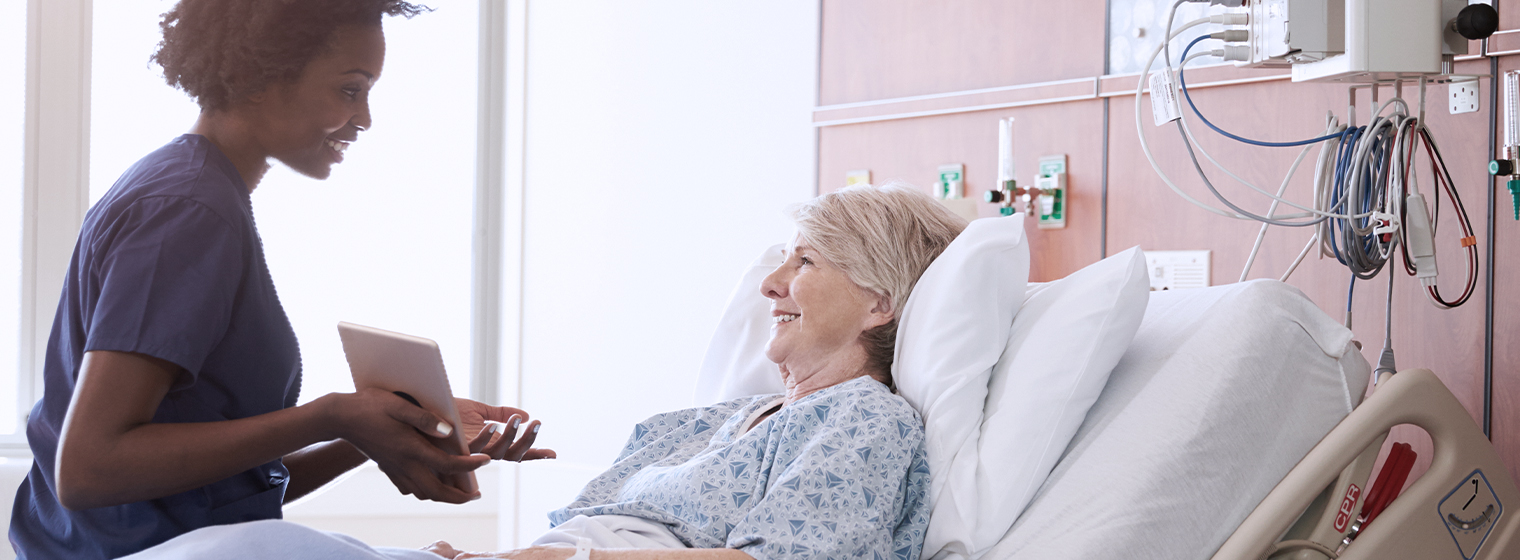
(498, 448)
(418, 417)
(443, 463)
(483, 438)
(536, 453)
(521, 447)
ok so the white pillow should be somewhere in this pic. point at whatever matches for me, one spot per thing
(735, 364)
(951, 332)
(1065, 341)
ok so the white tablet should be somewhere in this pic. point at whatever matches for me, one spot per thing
(413, 367)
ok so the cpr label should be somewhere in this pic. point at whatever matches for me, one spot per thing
(1348, 508)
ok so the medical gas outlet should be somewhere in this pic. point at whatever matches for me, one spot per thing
(950, 189)
(1509, 166)
(1050, 204)
(1046, 199)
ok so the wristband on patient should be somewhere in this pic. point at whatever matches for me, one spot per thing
(582, 550)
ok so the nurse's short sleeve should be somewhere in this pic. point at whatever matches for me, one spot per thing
(168, 272)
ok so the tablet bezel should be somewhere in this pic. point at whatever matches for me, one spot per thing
(392, 361)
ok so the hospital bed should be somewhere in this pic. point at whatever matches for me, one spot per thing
(1231, 426)
(1234, 428)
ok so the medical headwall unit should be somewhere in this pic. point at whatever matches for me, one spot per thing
(1368, 212)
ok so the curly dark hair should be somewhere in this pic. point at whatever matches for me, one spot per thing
(220, 51)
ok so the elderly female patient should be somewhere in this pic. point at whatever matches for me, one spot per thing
(836, 466)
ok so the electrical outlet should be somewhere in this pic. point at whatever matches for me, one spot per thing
(857, 177)
(1173, 270)
(1463, 96)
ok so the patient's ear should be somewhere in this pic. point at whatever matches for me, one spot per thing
(881, 313)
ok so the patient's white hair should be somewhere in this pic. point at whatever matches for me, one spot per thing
(883, 238)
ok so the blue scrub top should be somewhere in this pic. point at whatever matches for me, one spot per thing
(168, 264)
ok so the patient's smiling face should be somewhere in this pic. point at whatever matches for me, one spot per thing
(819, 315)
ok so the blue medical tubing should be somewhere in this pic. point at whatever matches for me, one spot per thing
(1350, 291)
(1182, 81)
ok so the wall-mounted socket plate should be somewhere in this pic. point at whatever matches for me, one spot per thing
(857, 177)
(1463, 96)
(1175, 270)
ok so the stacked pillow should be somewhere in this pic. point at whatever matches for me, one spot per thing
(1001, 402)
(735, 365)
(1002, 371)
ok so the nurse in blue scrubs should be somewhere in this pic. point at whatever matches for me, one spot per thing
(172, 373)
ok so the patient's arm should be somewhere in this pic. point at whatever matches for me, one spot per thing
(561, 553)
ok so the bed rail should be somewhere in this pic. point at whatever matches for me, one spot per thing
(1458, 509)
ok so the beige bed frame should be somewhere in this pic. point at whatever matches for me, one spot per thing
(1459, 509)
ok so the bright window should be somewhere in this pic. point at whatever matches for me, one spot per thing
(12, 128)
(386, 240)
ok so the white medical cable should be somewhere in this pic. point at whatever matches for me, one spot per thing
(1188, 133)
(1189, 141)
(1151, 158)
(1301, 544)
(1313, 240)
(1273, 208)
(1140, 130)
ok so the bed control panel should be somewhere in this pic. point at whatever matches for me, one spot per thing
(1469, 512)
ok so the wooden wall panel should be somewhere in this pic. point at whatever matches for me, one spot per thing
(874, 49)
(913, 149)
(1509, 13)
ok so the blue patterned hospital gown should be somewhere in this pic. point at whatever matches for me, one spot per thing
(840, 473)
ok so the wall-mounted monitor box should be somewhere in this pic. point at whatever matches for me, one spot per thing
(1385, 40)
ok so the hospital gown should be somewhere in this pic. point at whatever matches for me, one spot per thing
(840, 473)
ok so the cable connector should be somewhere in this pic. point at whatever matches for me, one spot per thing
(1421, 241)
(1236, 53)
(1231, 35)
(1385, 362)
(1227, 3)
(1231, 18)
(1387, 225)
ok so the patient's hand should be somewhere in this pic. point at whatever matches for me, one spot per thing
(501, 446)
(442, 549)
(536, 553)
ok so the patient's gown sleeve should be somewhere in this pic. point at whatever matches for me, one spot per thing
(655, 427)
(854, 490)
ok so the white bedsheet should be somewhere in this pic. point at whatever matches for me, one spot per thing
(610, 531)
(1221, 393)
(262, 540)
(274, 538)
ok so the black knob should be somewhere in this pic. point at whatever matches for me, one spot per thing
(1501, 167)
(993, 196)
(1477, 21)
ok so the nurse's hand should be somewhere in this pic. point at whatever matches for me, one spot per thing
(493, 430)
(394, 433)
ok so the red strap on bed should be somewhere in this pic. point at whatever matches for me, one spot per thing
(1390, 481)
(1380, 484)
